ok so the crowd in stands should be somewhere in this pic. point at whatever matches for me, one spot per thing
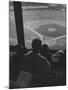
(46, 67)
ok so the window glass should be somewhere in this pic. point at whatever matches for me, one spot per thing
(44, 21)
(12, 26)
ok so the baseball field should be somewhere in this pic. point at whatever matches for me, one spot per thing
(48, 25)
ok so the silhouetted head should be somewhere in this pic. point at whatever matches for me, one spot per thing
(45, 46)
(59, 53)
(36, 45)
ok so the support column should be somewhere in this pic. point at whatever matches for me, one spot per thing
(19, 23)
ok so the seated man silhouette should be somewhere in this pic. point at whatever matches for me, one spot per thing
(34, 62)
(45, 51)
(38, 65)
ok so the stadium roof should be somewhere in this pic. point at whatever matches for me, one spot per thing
(33, 5)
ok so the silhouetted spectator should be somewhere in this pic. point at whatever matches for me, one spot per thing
(36, 45)
(34, 62)
(62, 61)
(45, 51)
(58, 60)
